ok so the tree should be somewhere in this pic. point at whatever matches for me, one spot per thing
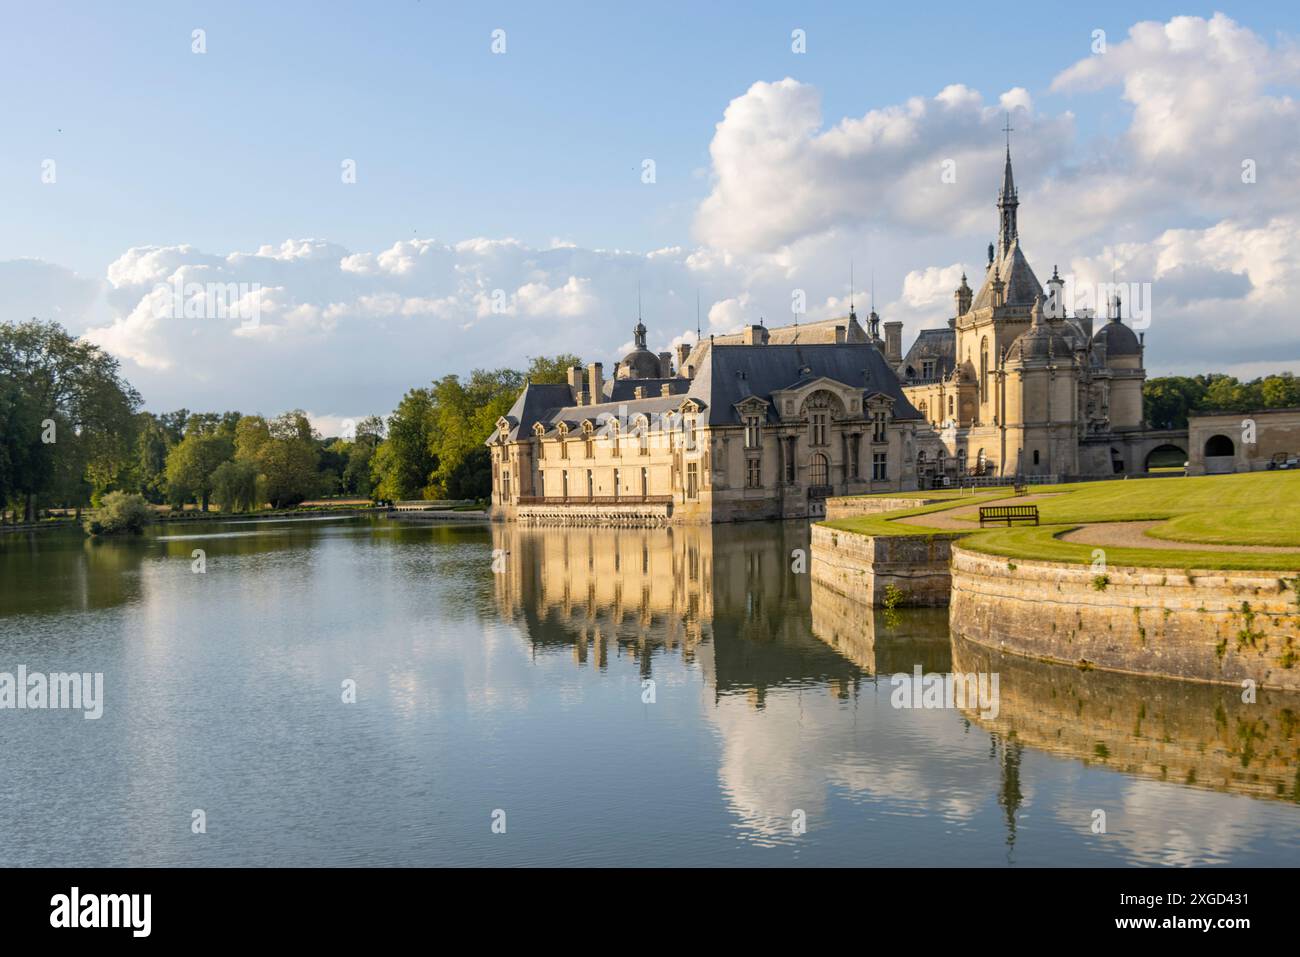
(403, 463)
(553, 370)
(121, 512)
(191, 463)
(464, 415)
(285, 454)
(26, 463)
(152, 444)
(1166, 402)
(234, 486)
(78, 387)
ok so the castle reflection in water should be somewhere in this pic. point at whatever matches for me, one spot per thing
(728, 600)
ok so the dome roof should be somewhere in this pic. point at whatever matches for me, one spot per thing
(1040, 342)
(1120, 339)
(641, 364)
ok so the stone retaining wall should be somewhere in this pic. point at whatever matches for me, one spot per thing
(864, 566)
(847, 506)
(1224, 626)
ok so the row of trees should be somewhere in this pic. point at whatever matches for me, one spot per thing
(1168, 401)
(72, 431)
(434, 447)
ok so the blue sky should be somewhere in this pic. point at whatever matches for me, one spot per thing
(241, 147)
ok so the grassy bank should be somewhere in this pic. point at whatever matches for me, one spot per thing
(1261, 508)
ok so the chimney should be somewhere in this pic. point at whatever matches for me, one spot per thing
(575, 383)
(840, 334)
(638, 392)
(894, 342)
(665, 365)
(683, 353)
(595, 383)
(754, 336)
(665, 389)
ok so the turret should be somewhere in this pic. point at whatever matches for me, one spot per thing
(963, 297)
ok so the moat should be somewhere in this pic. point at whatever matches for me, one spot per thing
(626, 696)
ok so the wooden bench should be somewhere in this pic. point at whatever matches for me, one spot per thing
(1008, 514)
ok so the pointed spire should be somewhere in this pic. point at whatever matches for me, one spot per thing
(697, 315)
(1007, 200)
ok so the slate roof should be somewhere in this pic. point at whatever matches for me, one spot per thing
(937, 344)
(728, 374)
(1022, 286)
(621, 390)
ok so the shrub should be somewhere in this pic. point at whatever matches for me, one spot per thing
(121, 512)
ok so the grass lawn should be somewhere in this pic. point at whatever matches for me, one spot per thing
(1259, 508)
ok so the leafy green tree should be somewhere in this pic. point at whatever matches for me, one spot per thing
(121, 512)
(464, 415)
(234, 486)
(552, 370)
(78, 387)
(191, 463)
(403, 463)
(152, 444)
(1167, 401)
(284, 450)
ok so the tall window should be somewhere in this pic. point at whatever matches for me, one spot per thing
(927, 369)
(643, 436)
(564, 446)
(753, 432)
(591, 485)
(950, 407)
(818, 470)
(541, 484)
(819, 428)
(754, 473)
(789, 461)
(692, 479)
(879, 469)
(878, 427)
(564, 477)
(645, 481)
(618, 488)
(984, 367)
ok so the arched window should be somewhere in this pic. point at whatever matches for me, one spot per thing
(818, 470)
(984, 367)
(1219, 445)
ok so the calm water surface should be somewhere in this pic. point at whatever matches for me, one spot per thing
(521, 689)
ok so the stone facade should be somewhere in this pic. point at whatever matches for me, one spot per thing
(763, 428)
(1243, 441)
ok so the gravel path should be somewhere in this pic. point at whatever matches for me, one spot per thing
(1133, 535)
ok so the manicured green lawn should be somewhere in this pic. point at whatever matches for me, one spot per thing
(1260, 508)
(883, 523)
(1039, 542)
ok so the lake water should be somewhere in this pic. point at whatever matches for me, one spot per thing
(500, 669)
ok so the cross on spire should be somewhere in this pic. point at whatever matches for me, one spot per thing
(1008, 129)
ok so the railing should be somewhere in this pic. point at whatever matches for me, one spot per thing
(595, 500)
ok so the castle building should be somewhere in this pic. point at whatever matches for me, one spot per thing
(1014, 386)
(761, 425)
(766, 423)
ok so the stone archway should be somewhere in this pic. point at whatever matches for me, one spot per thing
(1219, 445)
(1220, 455)
(1167, 457)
